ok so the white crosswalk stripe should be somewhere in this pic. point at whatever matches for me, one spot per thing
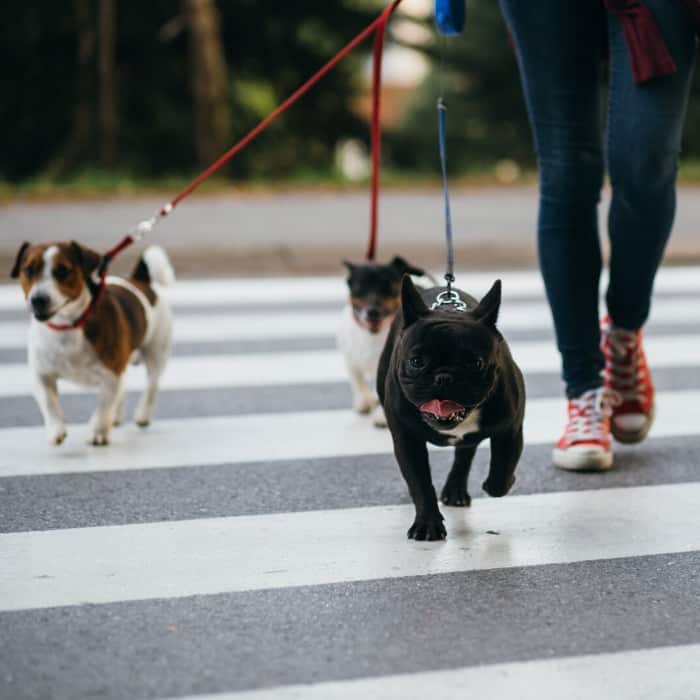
(283, 291)
(314, 367)
(163, 576)
(649, 673)
(247, 325)
(200, 557)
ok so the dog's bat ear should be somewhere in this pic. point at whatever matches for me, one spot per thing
(19, 260)
(489, 306)
(405, 268)
(412, 303)
(88, 260)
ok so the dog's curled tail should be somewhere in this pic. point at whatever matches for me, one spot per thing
(160, 270)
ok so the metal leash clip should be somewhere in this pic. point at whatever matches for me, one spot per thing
(451, 299)
(145, 227)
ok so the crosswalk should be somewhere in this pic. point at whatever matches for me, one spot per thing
(251, 544)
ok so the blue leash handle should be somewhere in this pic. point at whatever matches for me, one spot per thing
(442, 137)
(450, 16)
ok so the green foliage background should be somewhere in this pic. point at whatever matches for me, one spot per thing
(271, 47)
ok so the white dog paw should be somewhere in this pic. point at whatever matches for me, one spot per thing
(378, 418)
(57, 434)
(142, 417)
(362, 406)
(100, 438)
(365, 404)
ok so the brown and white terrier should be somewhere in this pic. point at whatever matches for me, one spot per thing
(89, 337)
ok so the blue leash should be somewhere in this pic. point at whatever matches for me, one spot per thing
(442, 138)
(449, 298)
(450, 18)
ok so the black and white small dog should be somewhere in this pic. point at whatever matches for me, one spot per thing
(375, 296)
(447, 377)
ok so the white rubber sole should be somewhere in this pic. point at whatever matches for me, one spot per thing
(632, 437)
(583, 458)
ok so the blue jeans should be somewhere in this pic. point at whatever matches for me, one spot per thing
(559, 44)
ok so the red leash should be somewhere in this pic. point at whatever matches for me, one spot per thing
(377, 129)
(378, 26)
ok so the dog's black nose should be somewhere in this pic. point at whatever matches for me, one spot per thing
(374, 314)
(443, 379)
(40, 303)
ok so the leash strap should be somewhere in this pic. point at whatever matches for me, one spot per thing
(376, 135)
(284, 106)
(449, 298)
(442, 139)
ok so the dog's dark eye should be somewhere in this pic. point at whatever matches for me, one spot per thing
(29, 272)
(417, 362)
(480, 365)
(61, 272)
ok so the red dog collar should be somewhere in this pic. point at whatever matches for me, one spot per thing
(82, 319)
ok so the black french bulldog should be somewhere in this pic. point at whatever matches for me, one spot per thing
(447, 377)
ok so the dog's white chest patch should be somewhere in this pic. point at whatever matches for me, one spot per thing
(66, 355)
(361, 348)
(471, 424)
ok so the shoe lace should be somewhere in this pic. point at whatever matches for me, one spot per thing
(625, 368)
(589, 415)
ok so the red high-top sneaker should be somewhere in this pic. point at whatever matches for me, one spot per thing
(627, 373)
(585, 444)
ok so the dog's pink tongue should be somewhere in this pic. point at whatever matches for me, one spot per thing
(441, 409)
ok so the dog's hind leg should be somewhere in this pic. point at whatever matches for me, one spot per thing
(46, 394)
(120, 412)
(154, 356)
(155, 365)
(378, 417)
(455, 492)
(505, 454)
(363, 398)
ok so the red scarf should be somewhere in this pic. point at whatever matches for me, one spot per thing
(649, 55)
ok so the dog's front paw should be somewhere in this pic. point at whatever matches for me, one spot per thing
(57, 434)
(497, 489)
(100, 438)
(427, 529)
(455, 495)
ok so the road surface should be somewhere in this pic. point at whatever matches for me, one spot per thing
(280, 233)
(251, 544)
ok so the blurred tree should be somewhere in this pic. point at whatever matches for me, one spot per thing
(78, 139)
(71, 101)
(107, 110)
(56, 110)
(210, 81)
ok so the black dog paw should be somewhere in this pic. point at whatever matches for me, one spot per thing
(498, 489)
(456, 496)
(431, 529)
